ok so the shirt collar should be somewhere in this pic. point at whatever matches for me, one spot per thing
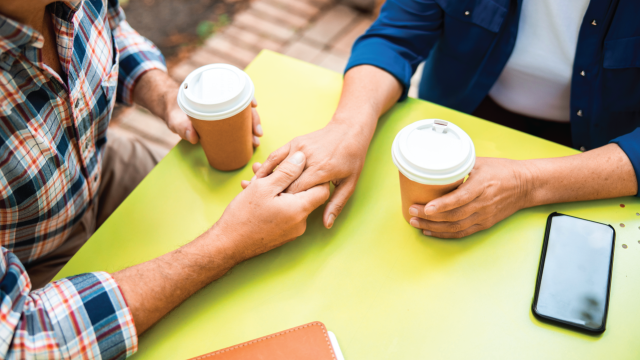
(15, 36)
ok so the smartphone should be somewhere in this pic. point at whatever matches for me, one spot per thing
(574, 276)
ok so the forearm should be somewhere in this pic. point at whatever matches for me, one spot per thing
(156, 92)
(155, 287)
(367, 93)
(602, 173)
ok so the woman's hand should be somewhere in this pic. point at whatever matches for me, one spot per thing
(262, 217)
(335, 153)
(495, 189)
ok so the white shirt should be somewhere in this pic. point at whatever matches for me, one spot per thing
(536, 80)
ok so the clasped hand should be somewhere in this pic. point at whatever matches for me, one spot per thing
(263, 217)
(334, 154)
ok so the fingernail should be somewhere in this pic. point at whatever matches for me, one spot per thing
(259, 129)
(426, 232)
(253, 178)
(430, 210)
(414, 223)
(256, 140)
(413, 211)
(187, 134)
(330, 220)
(297, 158)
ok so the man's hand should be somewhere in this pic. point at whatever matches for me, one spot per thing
(335, 153)
(495, 189)
(263, 216)
(258, 220)
(157, 92)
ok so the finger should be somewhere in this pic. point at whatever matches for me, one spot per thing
(314, 197)
(274, 159)
(287, 172)
(257, 127)
(256, 141)
(456, 214)
(444, 226)
(245, 183)
(311, 177)
(255, 167)
(254, 103)
(181, 125)
(454, 235)
(339, 199)
(455, 199)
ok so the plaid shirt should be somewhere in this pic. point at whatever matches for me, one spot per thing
(52, 139)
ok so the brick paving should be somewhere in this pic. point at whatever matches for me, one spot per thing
(317, 31)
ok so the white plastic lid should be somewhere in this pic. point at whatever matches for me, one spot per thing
(433, 152)
(215, 92)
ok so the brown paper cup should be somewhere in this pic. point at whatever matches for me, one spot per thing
(416, 193)
(228, 143)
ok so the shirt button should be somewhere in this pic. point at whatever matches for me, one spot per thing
(77, 104)
(594, 23)
(3, 57)
(582, 73)
(582, 148)
(95, 177)
(467, 13)
(579, 112)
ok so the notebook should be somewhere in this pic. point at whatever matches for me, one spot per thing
(309, 342)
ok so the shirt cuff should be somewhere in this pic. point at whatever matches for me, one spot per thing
(90, 317)
(630, 144)
(379, 53)
(137, 55)
(126, 86)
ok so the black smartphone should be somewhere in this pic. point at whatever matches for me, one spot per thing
(574, 276)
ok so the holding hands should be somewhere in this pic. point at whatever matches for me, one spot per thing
(334, 155)
(263, 216)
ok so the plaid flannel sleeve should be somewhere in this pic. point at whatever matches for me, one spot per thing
(81, 317)
(137, 54)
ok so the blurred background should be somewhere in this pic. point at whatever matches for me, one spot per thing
(193, 33)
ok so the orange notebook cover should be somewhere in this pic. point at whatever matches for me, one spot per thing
(309, 342)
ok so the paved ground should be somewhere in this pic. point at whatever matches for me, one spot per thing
(318, 31)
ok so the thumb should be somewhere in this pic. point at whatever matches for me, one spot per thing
(287, 172)
(339, 199)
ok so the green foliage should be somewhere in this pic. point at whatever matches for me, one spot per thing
(208, 27)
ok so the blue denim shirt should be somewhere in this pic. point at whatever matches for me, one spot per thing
(466, 44)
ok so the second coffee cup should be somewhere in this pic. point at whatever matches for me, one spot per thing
(217, 99)
(433, 157)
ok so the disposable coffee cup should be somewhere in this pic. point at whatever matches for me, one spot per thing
(217, 99)
(433, 157)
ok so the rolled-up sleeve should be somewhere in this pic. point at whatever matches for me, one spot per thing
(630, 144)
(401, 38)
(81, 317)
(137, 54)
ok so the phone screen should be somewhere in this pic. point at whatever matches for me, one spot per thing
(574, 285)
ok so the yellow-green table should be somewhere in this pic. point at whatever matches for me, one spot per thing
(387, 291)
